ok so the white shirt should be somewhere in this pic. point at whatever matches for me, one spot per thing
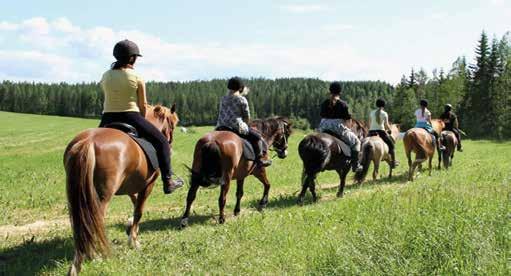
(422, 118)
(374, 122)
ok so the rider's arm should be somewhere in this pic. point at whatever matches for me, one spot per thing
(245, 110)
(456, 122)
(386, 123)
(141, 98)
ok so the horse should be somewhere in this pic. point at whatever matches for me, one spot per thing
(101, 163)
(218, 158)
(421, 143)
(358, 127)
(375, 150)
(449, 141)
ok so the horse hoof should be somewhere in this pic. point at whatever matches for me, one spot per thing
(236, 213)
(340, 195)
(221, 220)
(261, 206)
(184, 223)
(300, 201)
(135, 244)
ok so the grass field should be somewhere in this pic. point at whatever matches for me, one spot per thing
(455, 222)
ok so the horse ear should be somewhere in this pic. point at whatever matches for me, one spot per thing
(173, 108)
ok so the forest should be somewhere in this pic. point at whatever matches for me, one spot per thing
(479, 90)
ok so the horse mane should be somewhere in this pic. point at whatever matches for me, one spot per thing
(160, 111)
(270, 125)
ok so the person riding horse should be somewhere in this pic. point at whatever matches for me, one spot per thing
(451, 123)
(126, 101)
(379, 122)
(334, 116)
(234, 115)
(423, 116)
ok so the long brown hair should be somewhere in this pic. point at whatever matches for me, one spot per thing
(377, 114)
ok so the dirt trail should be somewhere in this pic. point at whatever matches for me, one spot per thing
(33, 228)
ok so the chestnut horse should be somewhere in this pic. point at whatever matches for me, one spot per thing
(375, 150)
(218, 158)
(450, 142)
(421, 143)
(101, 163)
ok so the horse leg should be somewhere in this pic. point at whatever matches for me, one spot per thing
(264, 179)
(430, 164)
(376, 169)
(312, 189)
(305, 185)
(239, 195)
(390, 168)
(222, 198)
(342, 175)
(192, 193)
(137, 215)
(410, 166)
(129, 223)
(439, 160)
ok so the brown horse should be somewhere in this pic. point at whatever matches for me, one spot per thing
(358, 127)
(375, 150)
(450, 142)
(101, 163)
(218, 158)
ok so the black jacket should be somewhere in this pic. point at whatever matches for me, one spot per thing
(339, 110)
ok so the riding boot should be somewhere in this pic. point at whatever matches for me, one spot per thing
(439, 145)
(355, 162)
(459, 148)
(261, 157)
(170, 185)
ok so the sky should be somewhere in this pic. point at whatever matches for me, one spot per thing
(72, 41)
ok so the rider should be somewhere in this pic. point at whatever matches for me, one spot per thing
(379, 123)
(334, 114)
(451, 123)
(423, 116)
(234, 114)
(125, 102)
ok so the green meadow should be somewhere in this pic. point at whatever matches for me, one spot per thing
(453, 222)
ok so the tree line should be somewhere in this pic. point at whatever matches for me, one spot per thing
(478, 90)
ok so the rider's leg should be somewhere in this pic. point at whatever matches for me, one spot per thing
(438, 144)
(256, 140)
(354, 144)
(161, 145)
(458, 136)
(386, 138)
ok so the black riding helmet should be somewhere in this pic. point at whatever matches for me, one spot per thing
(335, 88)
(125, 49)
(424, 103)
(448, 107)
(380, 103)
(235, 84)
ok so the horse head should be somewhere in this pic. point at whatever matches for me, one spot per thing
(276, 132)
(167, 119)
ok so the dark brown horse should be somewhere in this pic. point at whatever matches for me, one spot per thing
(450, 142)
(101, 163)
(420, 141)
(321, 152)
(218, 158)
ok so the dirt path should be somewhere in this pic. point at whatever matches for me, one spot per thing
(33, 228)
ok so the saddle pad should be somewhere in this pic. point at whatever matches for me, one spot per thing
(346, 150)
(149, 150)
(248, 150)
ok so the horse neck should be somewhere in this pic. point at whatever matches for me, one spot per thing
(267, 136)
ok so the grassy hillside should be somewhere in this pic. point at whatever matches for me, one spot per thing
(454, 222)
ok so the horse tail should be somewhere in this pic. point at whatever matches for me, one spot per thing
(210, 166)
(85, 209)
(314, 154)
(367, 156)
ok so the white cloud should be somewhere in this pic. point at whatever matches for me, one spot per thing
(334, 28)
(61, 51)
(304, 8)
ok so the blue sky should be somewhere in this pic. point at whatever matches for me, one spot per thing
(56, 40)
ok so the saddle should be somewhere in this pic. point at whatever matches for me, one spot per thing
(340, 143)
(146, 146)
(248, 149)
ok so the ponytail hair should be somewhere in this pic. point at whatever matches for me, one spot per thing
(120, 63)
(377, 114)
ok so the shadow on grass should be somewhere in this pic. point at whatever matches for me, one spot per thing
(31, 257)
(166, 224)
(291, 200)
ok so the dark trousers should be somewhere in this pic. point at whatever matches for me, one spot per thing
(146, 130)
(253, 137)
(386, 138)
(456, 133)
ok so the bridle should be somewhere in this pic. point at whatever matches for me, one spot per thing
(280, 146)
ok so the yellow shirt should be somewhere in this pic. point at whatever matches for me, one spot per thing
(120, 90)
